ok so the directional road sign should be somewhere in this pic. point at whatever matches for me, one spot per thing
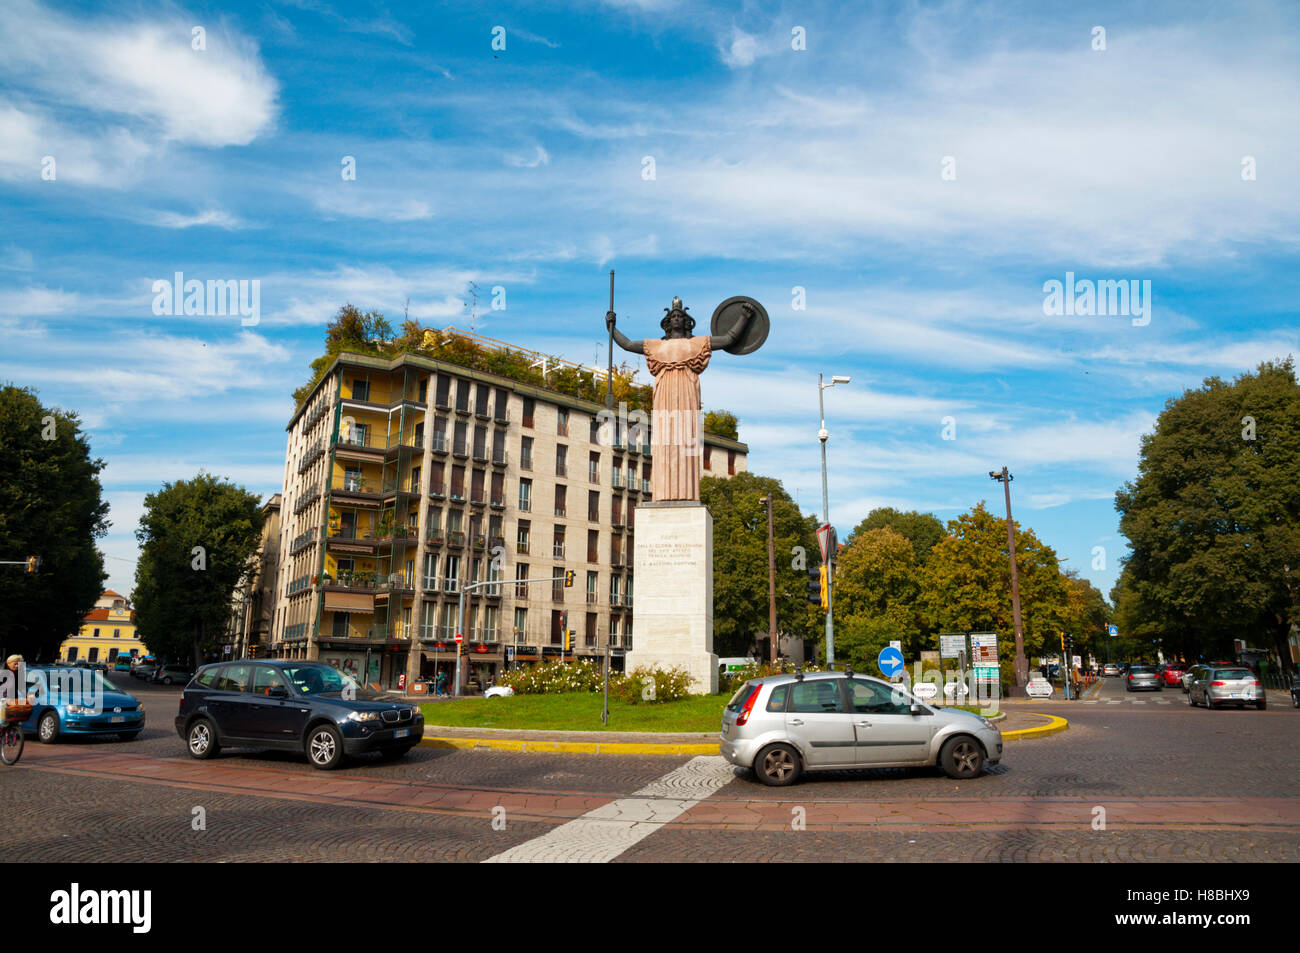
(890, 662)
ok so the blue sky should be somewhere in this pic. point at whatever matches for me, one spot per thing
(828, 169)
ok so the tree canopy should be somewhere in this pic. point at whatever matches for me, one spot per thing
(922, 530)
(1213, 517)
(740, 593)
(51, 507)
(196, 539)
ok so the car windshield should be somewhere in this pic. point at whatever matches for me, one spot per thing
(319, 679)
(1139, 669)
(1232, 673)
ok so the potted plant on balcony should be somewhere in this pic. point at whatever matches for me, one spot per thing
(386, 526)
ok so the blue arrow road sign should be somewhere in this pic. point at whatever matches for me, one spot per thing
(890, 661)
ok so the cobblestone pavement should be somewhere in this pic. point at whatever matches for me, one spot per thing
(1175, 784)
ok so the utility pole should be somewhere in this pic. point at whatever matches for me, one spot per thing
(771, 583)
(1022, 666)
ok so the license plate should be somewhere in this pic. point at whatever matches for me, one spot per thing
(401, 732)
(117, 718)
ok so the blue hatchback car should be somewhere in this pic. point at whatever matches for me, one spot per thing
(79, 701)
(294, 706)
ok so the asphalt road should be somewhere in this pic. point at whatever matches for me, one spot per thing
(1136, 778)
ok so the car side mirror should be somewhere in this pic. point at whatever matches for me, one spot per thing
(278, 691)
(917, 709)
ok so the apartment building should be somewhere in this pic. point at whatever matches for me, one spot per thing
(406, 479)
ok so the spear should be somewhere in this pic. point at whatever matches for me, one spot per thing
(609, 381)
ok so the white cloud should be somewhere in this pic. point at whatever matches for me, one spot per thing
(741, 50)
(540, 157)
(210, 216)
(393, 206)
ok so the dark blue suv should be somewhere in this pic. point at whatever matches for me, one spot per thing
(295, 706)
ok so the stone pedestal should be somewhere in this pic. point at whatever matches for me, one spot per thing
(672, 624)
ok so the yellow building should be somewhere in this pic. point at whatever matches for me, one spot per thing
(107, 632)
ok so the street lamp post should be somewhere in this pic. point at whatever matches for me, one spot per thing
(823, 435)
(771, 585)
(1022, 666)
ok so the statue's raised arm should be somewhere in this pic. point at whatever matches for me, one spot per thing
(621, 339)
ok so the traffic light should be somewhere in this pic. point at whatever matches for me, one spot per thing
(33, 563)
(568, 640)
(814, 586)
(822, 584)
(568, 579)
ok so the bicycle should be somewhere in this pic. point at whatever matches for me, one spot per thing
(12, 715)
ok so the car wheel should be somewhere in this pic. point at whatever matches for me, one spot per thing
(962, 758)
(1209, 702)
(777, 765)
(1261, 704)
(202, 739)
(47, 729)
(1295, 701)
(324, 747)
(1191, 701)
(167, 680)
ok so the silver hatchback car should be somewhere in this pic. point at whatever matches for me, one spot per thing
(1229, 685)
(783, 725)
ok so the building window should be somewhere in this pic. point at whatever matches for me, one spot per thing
(361, 390)
(559, 500)
(618, 475)
(529, 407)
(523, 536)
(557, 584)
(593, 582)
(562, 422)
(593, 506)
(339, 629)
(591, 629)
(521, 625)
(525, 495)
(97, 633)
(561, 460)
(557, 549)
(615, 626)
(708, 457)
(525, 453)
(521, 580)
(731, 463)
(593, 546)
(94, 654)
(593, 467)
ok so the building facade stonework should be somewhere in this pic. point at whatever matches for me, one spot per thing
(407, 478)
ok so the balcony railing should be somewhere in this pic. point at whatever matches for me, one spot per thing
(498, 502)
(593, 474)
(559, 511)
(362, 440)
(617, 481)
(438, 491)
(438, 443)
(500, 458)
(525, 504)
(645, 486)
(356, 580)
(615, 598)
(459, 449)
(526, 461)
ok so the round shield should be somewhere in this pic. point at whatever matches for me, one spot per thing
(733, 311)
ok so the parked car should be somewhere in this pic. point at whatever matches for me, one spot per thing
(783, 725)
(172, 674)
(83, 702)
(499, 691)
(1142, 678)
(1172, 676)
(1234, 685)
(144, 670)
(293, 706)
(1295, 691)
(1110, 669)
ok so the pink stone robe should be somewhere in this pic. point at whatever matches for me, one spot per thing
(676, 364)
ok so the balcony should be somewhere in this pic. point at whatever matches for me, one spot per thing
(617, 524)
(302, 542)
(307, 499)
(645, 486)
(480, 455)
(500, 458)
(615, 598)
(497, 502)
(627, 601)
(617, 481)
(616, 559)
(361, 441)
(434, 540)
(460, 450)
(455, 540)
(406, 487)
(367, 581)
(438, 491)
(495, 541)
(479, 541)
(438, 444)
(477, 498)
(559, 511)
(457, 494)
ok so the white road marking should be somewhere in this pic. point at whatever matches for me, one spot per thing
(1138, 701)
(599, 836)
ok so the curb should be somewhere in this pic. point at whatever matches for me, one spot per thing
(572, 747)
(1056, 724)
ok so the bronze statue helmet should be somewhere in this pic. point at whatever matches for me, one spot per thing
(678, 309)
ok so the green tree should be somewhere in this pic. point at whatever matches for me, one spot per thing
(740, 592)
(1213, 518)
(923, 530)
(51, 507)
(361, 332)
(968, 583)
(196, 540)
(723, 423)
(877, 585)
